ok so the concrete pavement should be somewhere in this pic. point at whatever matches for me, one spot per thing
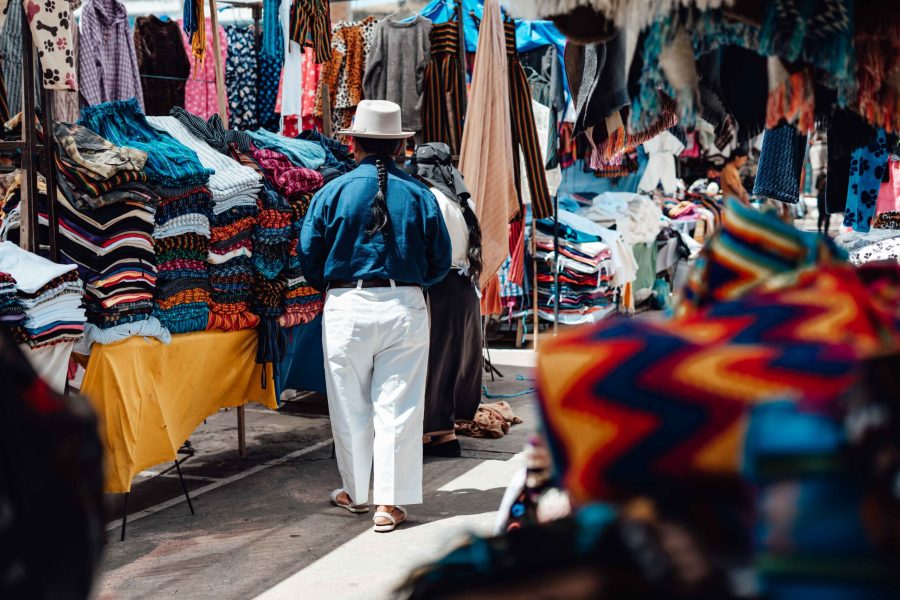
(264, 528)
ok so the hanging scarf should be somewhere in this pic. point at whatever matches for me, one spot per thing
(194, 26)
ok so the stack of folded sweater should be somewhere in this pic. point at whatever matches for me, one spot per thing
(11, 312)
(94, 172)
(181, 236)
(181, 243)
(585, 274)
(50, 294)
(234, 188)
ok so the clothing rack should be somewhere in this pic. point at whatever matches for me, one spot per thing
(30, 152)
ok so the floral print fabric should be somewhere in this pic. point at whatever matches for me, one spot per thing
(867, 166)
(241, 77)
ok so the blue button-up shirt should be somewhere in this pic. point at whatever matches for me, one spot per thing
(334, 245)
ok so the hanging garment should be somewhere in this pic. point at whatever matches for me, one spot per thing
(660, 169)
(66, 103)
(163, 63)
(311, 26)
(444, 104)
(240, 77)
(486, 156)
(200, 90)
(311, 72)
(889, 193)
(780, 164)
(343, 73)
(11, 50)
(51, 32)
(376, 356)
(867, 165)
(107, 61)
(290, 90)
(603, 86)
(395, 67)
(267, 89)
(524, 132)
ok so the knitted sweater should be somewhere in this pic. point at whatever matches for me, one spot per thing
(395, 67)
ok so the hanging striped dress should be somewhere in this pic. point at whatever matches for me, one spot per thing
(524, 130)
(311, 26)
(444, 105)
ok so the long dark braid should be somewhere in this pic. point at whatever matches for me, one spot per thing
(476, 263)
(384, 151)
(379, 216)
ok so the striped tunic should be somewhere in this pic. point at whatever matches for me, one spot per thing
(311, 26)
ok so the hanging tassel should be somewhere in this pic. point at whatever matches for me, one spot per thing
(272, 341)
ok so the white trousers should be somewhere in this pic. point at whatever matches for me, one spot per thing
(376, 362)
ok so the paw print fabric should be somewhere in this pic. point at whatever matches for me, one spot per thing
(108, 67)
(51, 23)
(52, 26)
(867, 167)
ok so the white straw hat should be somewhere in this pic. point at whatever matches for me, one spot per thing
(379, 120)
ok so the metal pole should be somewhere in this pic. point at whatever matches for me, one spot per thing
(556, 293)
(463, 64)
(242, 431)
(50, 175)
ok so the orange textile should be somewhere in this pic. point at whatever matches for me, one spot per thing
(149, 396)
(486, 157)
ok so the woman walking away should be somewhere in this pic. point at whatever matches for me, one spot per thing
(454, 359)
(374, 239)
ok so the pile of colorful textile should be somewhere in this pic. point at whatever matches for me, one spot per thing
(11, 312)
(50, 295)
(734, 415)
(234, 188)
(94, 173)
(113, 248)
(182, 289)
(182, 232)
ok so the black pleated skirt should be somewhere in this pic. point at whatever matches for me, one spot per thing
(455, 360)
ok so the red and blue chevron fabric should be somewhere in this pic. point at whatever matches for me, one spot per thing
(632, 405)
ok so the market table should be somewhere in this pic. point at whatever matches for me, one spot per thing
(149, 397)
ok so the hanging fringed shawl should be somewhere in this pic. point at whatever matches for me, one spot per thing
(195, 27)
(878, 67)
(623, 13)
(817, 34)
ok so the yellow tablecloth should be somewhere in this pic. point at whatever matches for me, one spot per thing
(149, 396)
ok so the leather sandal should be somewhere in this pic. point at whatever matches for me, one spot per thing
(389, 516)
(354, 508)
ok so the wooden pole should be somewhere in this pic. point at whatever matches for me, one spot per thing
(221, 97)
(28, 211)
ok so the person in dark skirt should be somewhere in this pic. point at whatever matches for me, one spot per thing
(455, 360)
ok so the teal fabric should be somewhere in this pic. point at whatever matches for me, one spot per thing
(169, 162)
